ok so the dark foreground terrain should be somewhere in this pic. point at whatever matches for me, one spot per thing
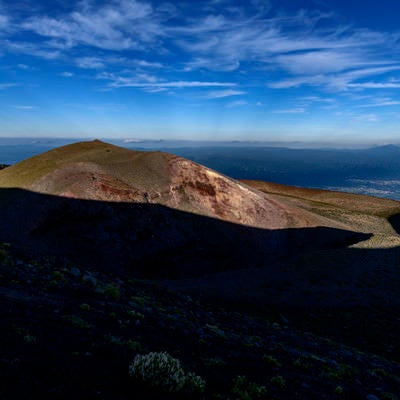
(71, 332)
(127, 274)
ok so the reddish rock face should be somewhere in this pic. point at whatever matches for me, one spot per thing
(200, 190)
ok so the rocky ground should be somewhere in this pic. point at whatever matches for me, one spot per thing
(72, 332)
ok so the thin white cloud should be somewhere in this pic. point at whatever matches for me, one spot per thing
(237, 103)
(146, 64)
(340, 81)
(24, 66)
(4, 23)
(174, 84)
(218, 94)
(24, 107)
(155, 89)
(326, 61)
(4, 86)
(289, 83)
(367, 117)
(316, 99)
(90, 63)
(222, 65)
(381, 102)
(347, 79)
(67, 74)
(32, 49)
(354, 118)
(290, 111)
(102, 62)
(375, 85)
(151, 82)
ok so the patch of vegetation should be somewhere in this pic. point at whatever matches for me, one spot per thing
(278, 381)
(271, 360)
(243, 389)
(133, 345)
(339, 390)
(136, 315)
(162, 372)
(29, 339)
(85, 307)
(79, 322)
(112, 291)
(214, 362)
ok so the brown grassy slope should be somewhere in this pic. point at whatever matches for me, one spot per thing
(109, 159)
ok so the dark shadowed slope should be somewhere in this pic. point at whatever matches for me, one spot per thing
(148, 239)
(68, 332)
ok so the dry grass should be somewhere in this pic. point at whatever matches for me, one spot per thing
(345, 201)
(113, 160)
(357, 212)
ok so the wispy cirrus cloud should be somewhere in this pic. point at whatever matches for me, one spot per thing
(90, 62)
(218, 94)
(32, 49)
(4, 22)
(375, 85)
(226, 44)
(152, 82)
(315, 62)
(299, 110)
(381, 102)
(25, 67)
(102, 62)
(4, 86)
(119, 25)
(67, 74)
(24, 107)
(339, 81)
(293, 46)
(172, 84)
(371, 117)
(236, 103)
(316, 99)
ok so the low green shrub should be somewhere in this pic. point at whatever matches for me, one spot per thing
(163, 372)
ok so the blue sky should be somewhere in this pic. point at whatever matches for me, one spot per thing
(314, 71)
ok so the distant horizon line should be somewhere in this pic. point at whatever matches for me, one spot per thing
(171, 142)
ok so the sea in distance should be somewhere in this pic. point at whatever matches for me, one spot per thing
(373, 171)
